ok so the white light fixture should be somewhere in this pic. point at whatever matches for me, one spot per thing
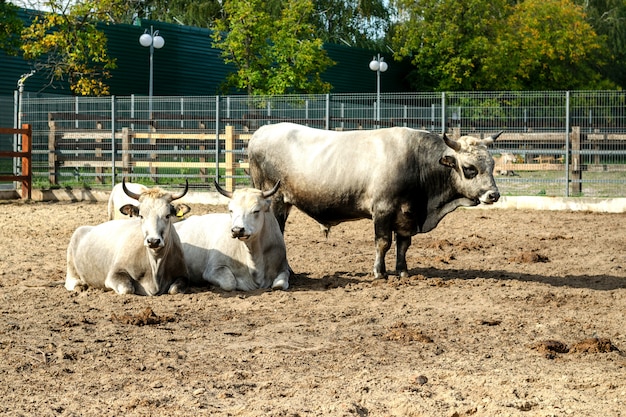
(379, 65)
(151, 40)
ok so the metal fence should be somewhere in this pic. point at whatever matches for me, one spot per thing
(554, 143)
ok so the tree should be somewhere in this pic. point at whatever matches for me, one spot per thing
(550, 46)
(185, 12)
(360, 23)
(10, 28)
(499, 45)
(66, 44)
(271, 55)
(608, 18)
(449, 41)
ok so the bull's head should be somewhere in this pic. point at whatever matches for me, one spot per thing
(155, 209)
(473, 168)
(247, 209)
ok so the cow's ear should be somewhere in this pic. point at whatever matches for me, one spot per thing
(129, 210)
(182, 209)
(449, 161)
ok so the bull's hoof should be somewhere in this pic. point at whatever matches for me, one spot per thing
(177, 289)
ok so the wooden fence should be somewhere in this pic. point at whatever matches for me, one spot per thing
(92, 149)
(26, 176)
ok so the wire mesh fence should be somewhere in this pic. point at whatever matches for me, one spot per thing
(554, 143)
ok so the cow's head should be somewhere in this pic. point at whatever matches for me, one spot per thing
(472, 168)
(247, 208)
(156, 211)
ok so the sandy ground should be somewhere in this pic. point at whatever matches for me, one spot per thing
(506, 313)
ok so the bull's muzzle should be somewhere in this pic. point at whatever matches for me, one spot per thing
(239, 233)
(490, 197)
(154, 242)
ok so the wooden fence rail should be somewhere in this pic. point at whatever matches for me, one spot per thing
(92, 149)
(26, 176)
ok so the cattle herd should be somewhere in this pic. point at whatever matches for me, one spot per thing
(405, 180)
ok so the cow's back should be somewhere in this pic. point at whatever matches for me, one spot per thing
(331, 176)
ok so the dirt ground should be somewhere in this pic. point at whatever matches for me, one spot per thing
(506, 313)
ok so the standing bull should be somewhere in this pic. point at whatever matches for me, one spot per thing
(142, 255)
(405, 180)
(241, 251)
(118, 199)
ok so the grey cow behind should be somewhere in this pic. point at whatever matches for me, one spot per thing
(241, 250)
(405, 180)
(142, 255)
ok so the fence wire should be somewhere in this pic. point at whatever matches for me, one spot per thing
(554, 143)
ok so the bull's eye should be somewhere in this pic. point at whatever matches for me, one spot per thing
(470, 172)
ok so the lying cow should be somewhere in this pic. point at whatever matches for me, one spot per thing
(243, 250)
(141, 256)
(118, 199)
(405, 180)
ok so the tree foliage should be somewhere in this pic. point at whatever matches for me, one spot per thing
(10, 28)
(361, 23)
(65, 44)
(499, 45)
(272, 55)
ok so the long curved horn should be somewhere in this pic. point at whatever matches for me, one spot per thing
(272, 191)
(492, 138)
(452, 143)
(181, 195)
(222, 191)
(127, 191)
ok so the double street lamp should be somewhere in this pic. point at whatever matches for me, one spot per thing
(379, 65)
(154, 41)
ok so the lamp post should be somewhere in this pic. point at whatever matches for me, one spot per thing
(151, 40)
(379, 65)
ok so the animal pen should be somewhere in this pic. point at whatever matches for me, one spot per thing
(554, 143)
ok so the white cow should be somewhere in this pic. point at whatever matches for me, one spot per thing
(243, 250)
(142, 256)
(118, 199)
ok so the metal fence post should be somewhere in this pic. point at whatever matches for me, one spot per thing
(327, 126)
(567, 145)
(217, 138)
(113, 150)
(443, 113)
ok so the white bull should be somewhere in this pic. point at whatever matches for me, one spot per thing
(142, 256)
(118, 199)
(241, 251)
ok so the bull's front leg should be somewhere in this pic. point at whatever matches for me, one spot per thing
(120, 282)
(382, 243)
(179, 286)
(402, 245)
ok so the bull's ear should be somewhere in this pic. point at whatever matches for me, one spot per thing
(181, 210)
(129, 210)
(449, 161)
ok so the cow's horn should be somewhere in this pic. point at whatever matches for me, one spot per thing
(182, 194)
(272, 191)
(494, 137)
(452, 143)
(222, 191)
(128, 192)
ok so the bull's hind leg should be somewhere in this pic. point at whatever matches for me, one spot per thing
(402, 245)
(382, 243)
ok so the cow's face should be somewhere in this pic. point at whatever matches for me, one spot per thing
(247, 212)
(156, 212)
(472, 169)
